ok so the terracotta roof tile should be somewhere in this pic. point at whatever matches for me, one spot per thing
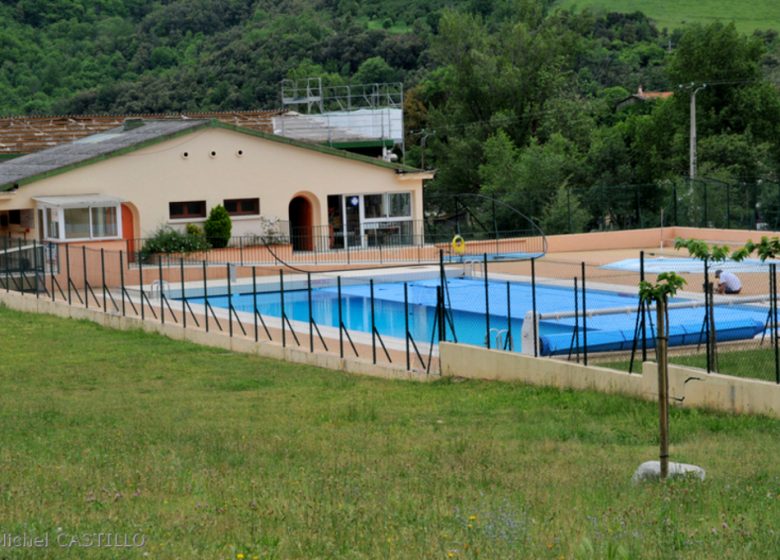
(28, 134)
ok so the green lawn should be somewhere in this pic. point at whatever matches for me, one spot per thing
(746, 15)
(215, 455)
(755, 363)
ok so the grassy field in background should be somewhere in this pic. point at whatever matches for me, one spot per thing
(747, 16)
(754, 363)
(216, 455)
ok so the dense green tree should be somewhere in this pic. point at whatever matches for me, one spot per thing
(514, 99)
(565, 213)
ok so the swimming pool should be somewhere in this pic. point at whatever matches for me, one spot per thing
(690, 265)
(508, 302)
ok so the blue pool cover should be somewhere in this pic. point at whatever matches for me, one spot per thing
(690, 265)
(466, 299)
(609, 332)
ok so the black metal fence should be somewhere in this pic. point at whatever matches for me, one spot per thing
(22, 263)
(541, 306)
(310, 247)
(703, 202)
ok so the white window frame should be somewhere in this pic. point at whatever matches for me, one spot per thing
(369, 224)
(60, 210)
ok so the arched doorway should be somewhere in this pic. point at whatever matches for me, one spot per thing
(128, 231)
(301, 221)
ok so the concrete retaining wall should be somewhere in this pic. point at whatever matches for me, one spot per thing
(688, 387)
(30, 303)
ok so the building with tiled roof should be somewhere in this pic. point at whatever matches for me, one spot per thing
(27, 134)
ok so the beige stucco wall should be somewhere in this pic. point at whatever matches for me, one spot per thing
(275, 172)
(648, 237)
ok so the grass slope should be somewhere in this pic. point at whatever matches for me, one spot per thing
(747, 16)
(757, 363)
(217, 455)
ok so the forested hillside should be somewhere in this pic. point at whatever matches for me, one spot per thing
(518, 99)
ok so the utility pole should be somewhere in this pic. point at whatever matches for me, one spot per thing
(694, 91)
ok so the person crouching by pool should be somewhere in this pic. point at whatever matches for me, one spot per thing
(728, 283)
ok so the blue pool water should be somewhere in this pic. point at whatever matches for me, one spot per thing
(467, 302)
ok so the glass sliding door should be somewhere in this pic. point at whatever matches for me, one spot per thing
(353, 225)
(336, 221)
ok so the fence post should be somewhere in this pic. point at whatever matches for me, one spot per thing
(406, 324)
(230, 301)
(103, 276)
(35, 267)
(663, 384)
(122, 280)
(86, 283)
(341, 321)
(776, 341)
(533, 306)
(160, 285)
(642, 307)
(254, 300)
(206, 295)
(281, 296)
(373, 323)
(182, 294)
(50, 258)
(22, 278)
(141, 282)
(487, 302)
(707, 304)
(584, 319)
(508, 319)
(311, 318)
(67, 272)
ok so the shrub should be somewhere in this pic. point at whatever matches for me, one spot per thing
(218, 226)
(167, 240)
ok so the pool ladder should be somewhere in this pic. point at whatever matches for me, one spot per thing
(503, 339)
(159, 287)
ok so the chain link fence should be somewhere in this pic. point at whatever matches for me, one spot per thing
(703, 202)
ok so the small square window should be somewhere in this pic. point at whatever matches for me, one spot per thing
(187, 210)
(400, 205)
(374, 205)
(242, 206)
